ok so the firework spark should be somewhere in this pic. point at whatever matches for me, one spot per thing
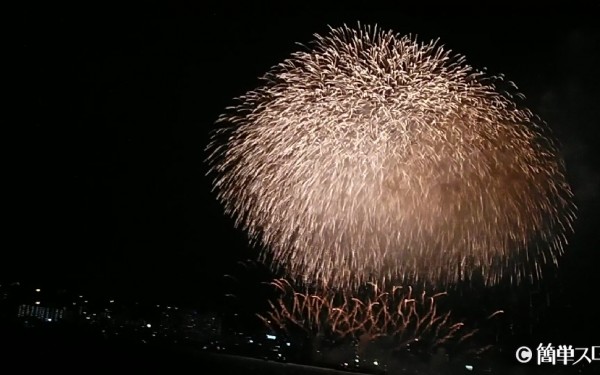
(373, 155)
(398, 314)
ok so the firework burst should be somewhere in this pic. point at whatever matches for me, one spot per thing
(398, 314)
(372, 155)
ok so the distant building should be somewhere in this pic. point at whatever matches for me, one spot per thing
(46, 314)
(208, 325)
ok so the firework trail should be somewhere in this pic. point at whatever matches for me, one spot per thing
(372, 155)
(398, 314)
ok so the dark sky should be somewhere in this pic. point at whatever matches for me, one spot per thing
(115, 106)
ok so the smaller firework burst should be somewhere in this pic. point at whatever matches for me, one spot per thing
(400, 316)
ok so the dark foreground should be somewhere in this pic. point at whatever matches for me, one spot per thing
(24, 351)
(67, 351)
(29, 351)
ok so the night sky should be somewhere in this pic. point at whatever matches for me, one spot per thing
(107, 186)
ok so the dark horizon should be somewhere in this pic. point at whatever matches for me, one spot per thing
(117, 104)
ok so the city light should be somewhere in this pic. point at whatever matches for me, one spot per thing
(187, 325)
(38, 290)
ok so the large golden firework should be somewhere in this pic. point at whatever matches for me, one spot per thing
(372, 155)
